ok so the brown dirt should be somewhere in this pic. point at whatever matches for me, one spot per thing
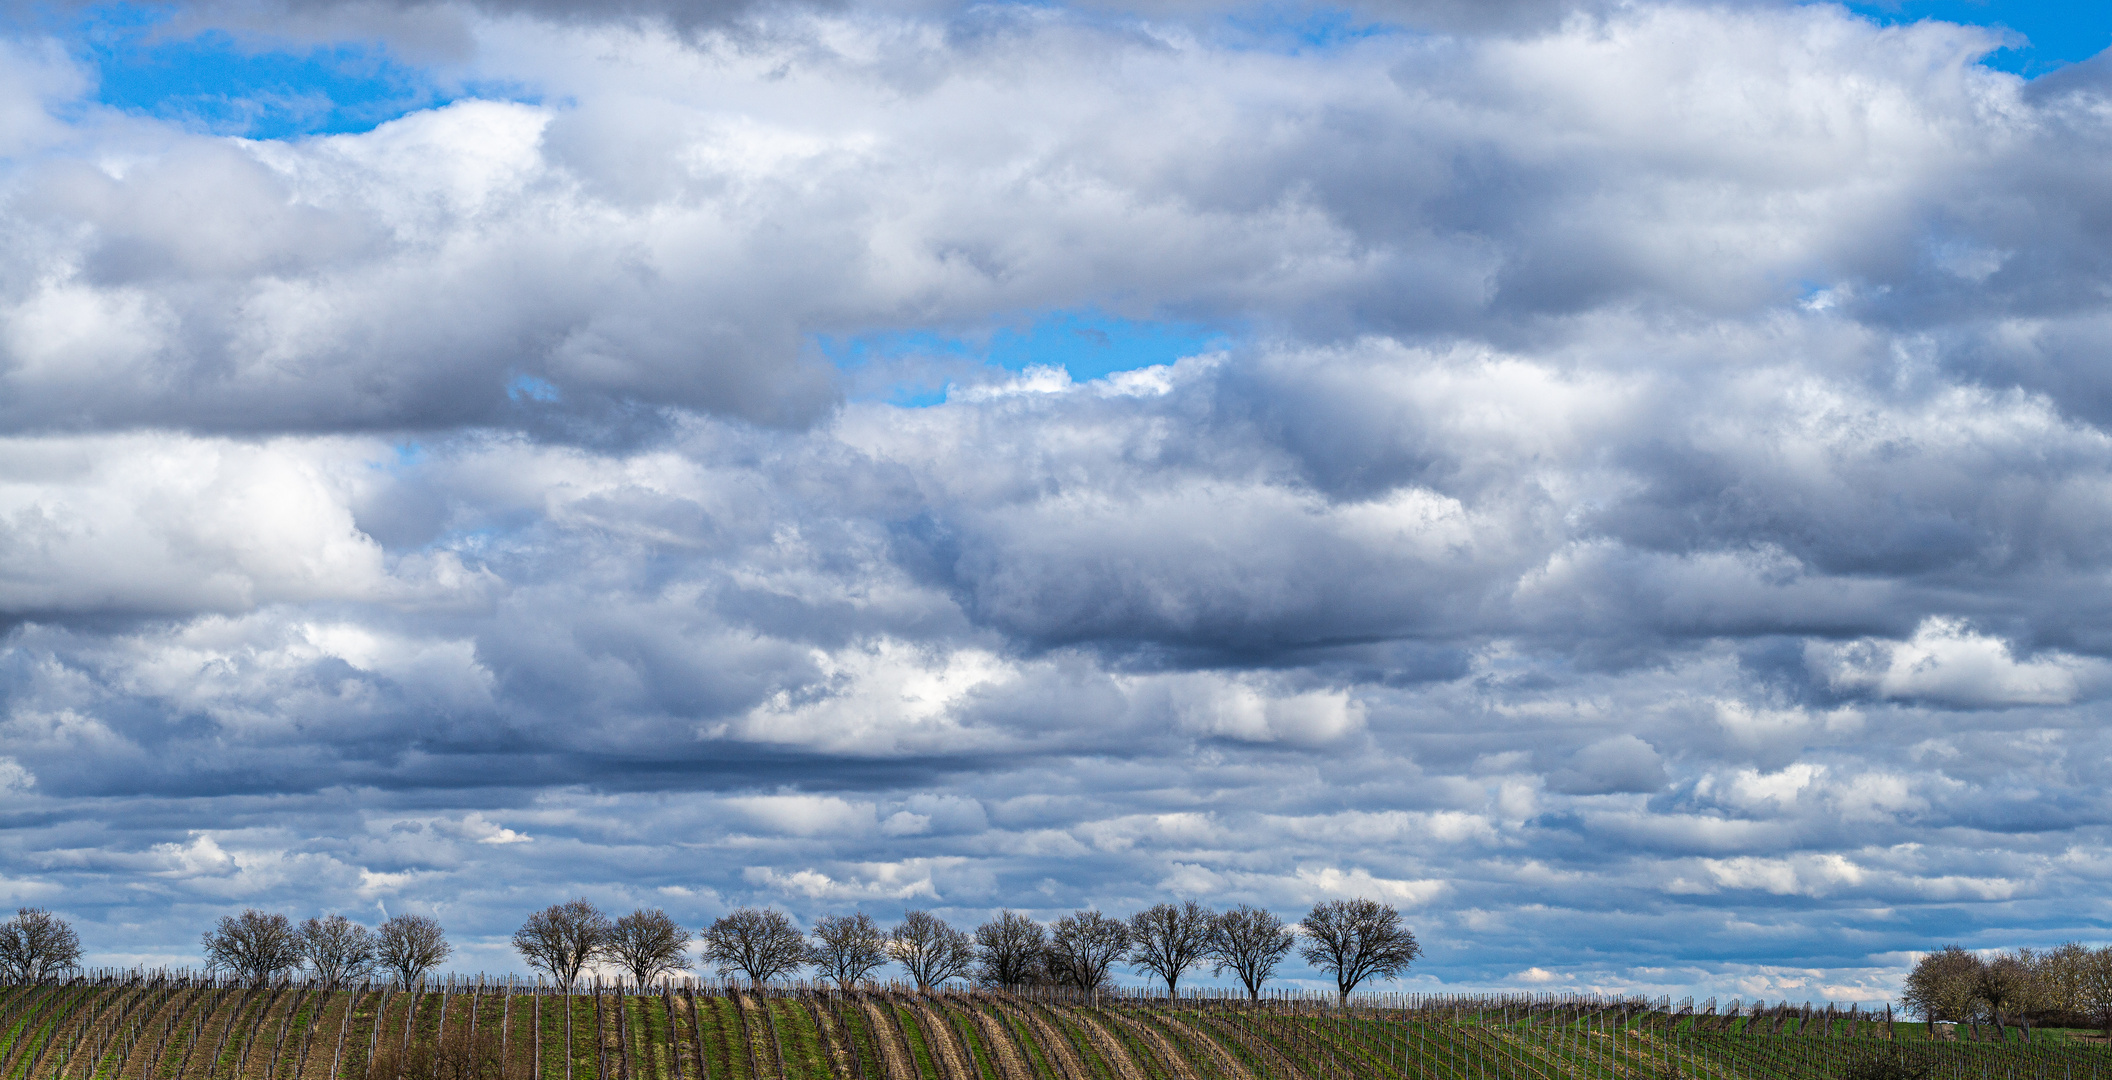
(834, 1043)
(893, 1056)
(1053, 1043)
(707, 1065)
(1226, 1060)
(385, 1032)
(320, 1041)
(240, 1038)
(1110, 1047)
(731, 1026)
(164, 1062)
(269, 1051)
(759, 1041)
(57, 1013)
(78, 1034)
(286, 1062)
(72, 1032)
(36, 1010)
(1262, 1047)
(1157, 1040)
(226, 1009)
(1011, 1063)
(150, 1033)
(358, 1037)
(939, 1037)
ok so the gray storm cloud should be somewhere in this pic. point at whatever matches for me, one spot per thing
(1658, 479)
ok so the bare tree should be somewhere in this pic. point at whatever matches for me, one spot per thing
(1944, 985)
(36, 945)
(929, 949)
(1084, 946)
(563, 938)
(1355, 940)
(648, 943)
(410, 946)
(337, 950)
(256, 945)
(757, 942)
(1250, 943)
(1009, 949)
(848, 948)
(1168, 939)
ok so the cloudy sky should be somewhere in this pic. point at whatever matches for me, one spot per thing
(1627, 483)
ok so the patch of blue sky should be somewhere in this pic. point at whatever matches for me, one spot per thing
(1085, 343)
(530, 388)
(1090, 345)
(2051, 35)
(1307, 28)
(402, 459)
(1295, 28)
(2048, 35)
(216, 82)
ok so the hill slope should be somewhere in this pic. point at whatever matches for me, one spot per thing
(135, 1027)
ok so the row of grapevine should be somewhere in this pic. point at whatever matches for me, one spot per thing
(180, 1026)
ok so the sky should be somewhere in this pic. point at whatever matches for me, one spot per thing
(1625, 483)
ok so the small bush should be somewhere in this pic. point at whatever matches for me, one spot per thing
(391, 1064)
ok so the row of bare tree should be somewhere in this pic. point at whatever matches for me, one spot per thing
(263, 945)
(37, 945)
(1352, 940)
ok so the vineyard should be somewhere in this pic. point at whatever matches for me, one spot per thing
(139, 1026)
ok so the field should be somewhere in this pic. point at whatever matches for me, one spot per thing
(141, 1027)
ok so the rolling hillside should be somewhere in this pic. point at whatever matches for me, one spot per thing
(135, 1026)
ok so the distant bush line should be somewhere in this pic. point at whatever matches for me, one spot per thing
(2066, 986)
